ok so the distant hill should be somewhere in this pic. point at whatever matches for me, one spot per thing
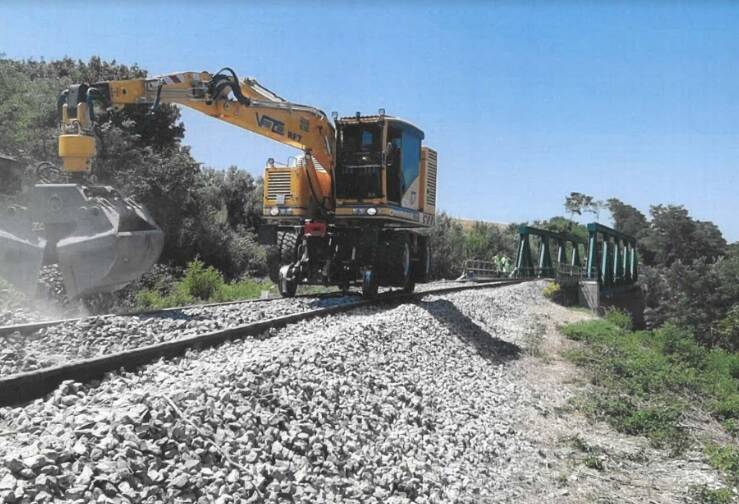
(467, 224)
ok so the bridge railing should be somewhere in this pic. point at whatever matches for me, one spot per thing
(475, 269)
(554, 248)
(556, 271)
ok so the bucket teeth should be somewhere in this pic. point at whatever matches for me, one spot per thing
(21, 250)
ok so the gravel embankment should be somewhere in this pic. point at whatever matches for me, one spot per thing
(95, 336)
(415, 403)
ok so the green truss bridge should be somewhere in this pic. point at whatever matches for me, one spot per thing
(602, 268)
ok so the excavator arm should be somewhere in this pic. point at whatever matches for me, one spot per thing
(245, 104)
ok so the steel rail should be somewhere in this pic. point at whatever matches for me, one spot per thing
(30, 327)
(23, 387)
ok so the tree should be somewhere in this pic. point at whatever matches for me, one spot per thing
(626, 218)
(726, 331)
(576, 203)
(446, 243)
(484, 241)
(563, 225)
(674, 236)
(236, 188)
(28, 93)
(579, 203)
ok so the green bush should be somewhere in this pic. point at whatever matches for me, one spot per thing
(245, 289)
(552, 291)
(645, 380)
(619, 318)
(595, 331)
(153, 300)
(725, 459)
(201, 282)
(727, 329)
(705, 495)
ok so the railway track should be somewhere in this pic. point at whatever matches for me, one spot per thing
(26, 386)
(30, 327)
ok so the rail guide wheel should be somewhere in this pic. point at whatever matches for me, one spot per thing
(288, 282)
(409, 283)
(369, 284)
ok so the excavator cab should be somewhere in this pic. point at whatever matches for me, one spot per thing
(380, 161)
(359, 171)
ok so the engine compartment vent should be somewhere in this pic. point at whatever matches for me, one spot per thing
(278, 184)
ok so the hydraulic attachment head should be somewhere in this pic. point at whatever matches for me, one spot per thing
(100, 240)
(21, 250)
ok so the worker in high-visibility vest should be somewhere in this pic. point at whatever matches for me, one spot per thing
(505, 264)
(498, 261)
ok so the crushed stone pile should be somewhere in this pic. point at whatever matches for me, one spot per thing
(94, 336)
(407, 404)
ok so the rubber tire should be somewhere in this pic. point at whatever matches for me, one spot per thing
(397, 261)
(410, 286)
(423, 265)
(369, 284)
(287, 287)
(287, 245)
(406, 264)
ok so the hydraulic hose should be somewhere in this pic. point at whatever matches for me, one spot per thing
(219, 82)
(90, 97)
(158, 97)
(60, 101)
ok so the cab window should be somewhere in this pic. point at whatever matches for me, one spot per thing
(411, 158)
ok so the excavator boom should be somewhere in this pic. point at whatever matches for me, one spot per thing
(245, 104)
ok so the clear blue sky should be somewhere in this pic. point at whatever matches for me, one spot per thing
(525, 102)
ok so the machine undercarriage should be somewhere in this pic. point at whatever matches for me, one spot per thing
(346, 256)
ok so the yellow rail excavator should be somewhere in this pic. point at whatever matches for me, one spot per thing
(351, 210)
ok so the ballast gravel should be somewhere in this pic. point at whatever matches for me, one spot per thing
(95, 336)
(414, 403)
(106, 334)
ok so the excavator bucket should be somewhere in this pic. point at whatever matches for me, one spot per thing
(100, 240)
(21, 250)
